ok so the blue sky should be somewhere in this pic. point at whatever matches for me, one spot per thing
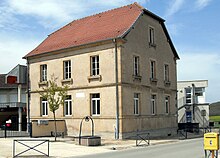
(192, 24)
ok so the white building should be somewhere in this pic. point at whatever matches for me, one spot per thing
(192, 106)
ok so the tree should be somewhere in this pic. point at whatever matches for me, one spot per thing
(55, 96)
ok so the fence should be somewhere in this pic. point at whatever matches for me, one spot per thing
(30, 146)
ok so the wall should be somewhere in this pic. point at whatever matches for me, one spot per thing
(80, 60)
(137, 45)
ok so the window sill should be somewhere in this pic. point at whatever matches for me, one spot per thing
(137, 78)
(153, 80)
(98, 115)
(152, 45)
(137, 115)
(68, 115)
(167, 83)
(43, 83)
(67, 81)
(95, 78)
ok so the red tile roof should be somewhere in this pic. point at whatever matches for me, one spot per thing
(106, 25)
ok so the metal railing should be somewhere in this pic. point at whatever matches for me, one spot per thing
(142, 139)
(23, 143)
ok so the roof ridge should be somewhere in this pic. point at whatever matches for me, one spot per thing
(138, 5)
(135, 3)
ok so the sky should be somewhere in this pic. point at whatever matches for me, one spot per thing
(192, 24)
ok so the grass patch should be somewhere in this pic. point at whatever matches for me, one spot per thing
(214, 118)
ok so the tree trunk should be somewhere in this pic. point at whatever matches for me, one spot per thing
(55, 125)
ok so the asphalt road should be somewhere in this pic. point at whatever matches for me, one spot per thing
(184, 149)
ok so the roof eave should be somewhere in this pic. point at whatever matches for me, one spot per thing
(63, 49)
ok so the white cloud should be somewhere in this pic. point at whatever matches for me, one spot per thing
(55, 13)
(202, 3)
(174, 6)
(12, 50)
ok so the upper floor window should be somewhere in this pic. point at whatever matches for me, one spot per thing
(68, 106)
(151, 36)
(166, 72)
(95, 103)
(153, 104)
(199, 91)
(167, 104)
(43, 72)
(136, 66)
(136, 103)
(152, 69)
(94, 65)
(44, 107)
(67, 69)
(188, 93)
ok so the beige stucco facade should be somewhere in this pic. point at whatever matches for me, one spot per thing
(82, 85)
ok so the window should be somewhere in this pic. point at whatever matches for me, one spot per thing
(167, 104)
(67, 69)
(95, 103)
(44, 107)
(43, 73)
(136, 66)
(188, 93)
(68, 106)
(136, 103)
(151, 36)
(152, 69)
(94, 65)
(153, 104)
(199, 91)
(166, 72)
(188, 116)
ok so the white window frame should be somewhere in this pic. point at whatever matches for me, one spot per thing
(166, 72)
(96, 101)
(153, 104)
(67, 69)
(94, 60)
(167, 104)
(43, 72)
(44, 107)
(153, 69)
(136, 103)
(136, 65)
(68, 106)
(190, 99)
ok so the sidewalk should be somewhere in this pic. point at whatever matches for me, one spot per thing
(66, 147)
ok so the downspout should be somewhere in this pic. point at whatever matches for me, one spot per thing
(29, 127)
(193, 101)
(116, 91)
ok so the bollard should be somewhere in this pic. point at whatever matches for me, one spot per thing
(5, 131)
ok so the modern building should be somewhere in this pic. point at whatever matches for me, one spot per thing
(120, 66)
(192, 105)
(13, 87)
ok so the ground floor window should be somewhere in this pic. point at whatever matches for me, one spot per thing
(44, 107)
(68, 106)
(95, 104)
(153, 104)
(136, 103)
(167, 104)
(188, 116)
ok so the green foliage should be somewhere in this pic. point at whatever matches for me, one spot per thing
(54, 94)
